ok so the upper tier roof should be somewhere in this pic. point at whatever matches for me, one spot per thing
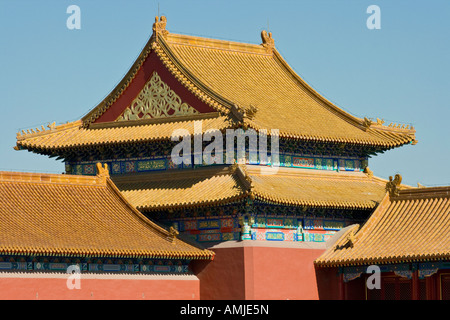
(411, 225)
(250, 85)
(65, 215)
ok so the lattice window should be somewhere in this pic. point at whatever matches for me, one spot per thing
(156, 100)
(445, 287)
(404, 290)
(392, 288)
(373, 294)
(389, 290)
(422, 289)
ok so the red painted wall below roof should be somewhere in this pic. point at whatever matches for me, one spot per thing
(152, 63)
(281, 273)
(25, 288)
(262, 273)
(223, 278)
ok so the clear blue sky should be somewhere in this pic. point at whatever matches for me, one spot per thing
(400, 73)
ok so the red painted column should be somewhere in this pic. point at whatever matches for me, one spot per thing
(341, 287)
(415, 285)
(430, 287)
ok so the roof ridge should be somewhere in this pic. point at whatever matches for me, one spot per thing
(42, 132)
(341, 242)
(186, 77)
(422, 192)
(138, 214)
(362, 123)
(213, 43)
(201, 172)
(320, 174)
(36, 177)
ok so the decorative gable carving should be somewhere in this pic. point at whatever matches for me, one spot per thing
(156, 100)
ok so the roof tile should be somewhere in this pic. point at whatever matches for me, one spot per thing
(73, 215)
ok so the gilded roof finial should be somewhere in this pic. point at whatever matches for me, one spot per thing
(159, 27)
(393, 185)
(267, 40)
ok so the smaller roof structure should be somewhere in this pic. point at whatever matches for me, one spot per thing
(68, 215)
(410, 225)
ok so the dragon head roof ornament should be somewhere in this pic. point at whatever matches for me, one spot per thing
(267, 41)
(393, 185)
(159, 27)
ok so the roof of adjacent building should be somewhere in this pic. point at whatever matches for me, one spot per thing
(226, 184)
(409, 225)
(67, 215)
(250, 85)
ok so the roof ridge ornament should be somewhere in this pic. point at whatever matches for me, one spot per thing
(367, 122)
(173, 233)
(242, 113)
(267, 41)
(380, 121)
(368, 172)
(20, 135)
(351, 239)
(393, 185)
(159, 27)
(241, 171)
(102, 171)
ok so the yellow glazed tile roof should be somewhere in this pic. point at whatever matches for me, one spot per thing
(74, 135)
(249, 76)
(298, 187)
(65, 215)
(313, 188)
(413, 225)
(250, 85)
(180, 189)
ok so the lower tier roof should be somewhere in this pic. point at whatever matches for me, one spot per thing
(225, 184)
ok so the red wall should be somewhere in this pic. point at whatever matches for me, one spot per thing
(281, 273)
(223, 278)
(24, 288)
(249, 271)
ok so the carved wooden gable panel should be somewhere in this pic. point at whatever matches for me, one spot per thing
(156, 100)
